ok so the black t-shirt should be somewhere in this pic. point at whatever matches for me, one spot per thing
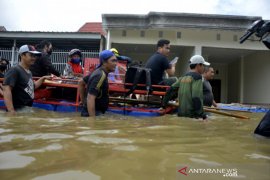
(208, 96)
(158, 63)
(1, 75)
(43, 66)
(97, 85)
(22, 86)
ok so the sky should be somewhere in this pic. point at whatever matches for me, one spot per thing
(70, 15)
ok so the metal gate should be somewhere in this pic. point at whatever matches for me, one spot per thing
(59, 58)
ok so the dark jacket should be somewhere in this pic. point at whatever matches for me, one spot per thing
(43, 66)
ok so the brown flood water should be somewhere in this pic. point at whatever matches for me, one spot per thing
(50, 145)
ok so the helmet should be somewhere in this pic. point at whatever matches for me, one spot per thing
(75, 51)
(115, 52)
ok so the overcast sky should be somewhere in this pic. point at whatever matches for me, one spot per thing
(70, 15)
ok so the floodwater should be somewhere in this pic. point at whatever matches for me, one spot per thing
(49, 145)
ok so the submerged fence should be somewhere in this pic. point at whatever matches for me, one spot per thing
(59, 58)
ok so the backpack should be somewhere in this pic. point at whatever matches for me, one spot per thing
(138, 75)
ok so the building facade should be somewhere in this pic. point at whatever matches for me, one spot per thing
(241, 69)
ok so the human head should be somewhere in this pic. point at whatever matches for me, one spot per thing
(28, 54)
(45, 46)
(75, 56)
(3, 64)
(163, 47)
(108, 60)
(208, 72)
(197, 63)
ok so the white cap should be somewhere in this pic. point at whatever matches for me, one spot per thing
(197, 59)
(28, 48)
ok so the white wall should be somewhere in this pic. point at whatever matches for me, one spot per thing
(257, 78)
(182, 66)
(189, 37)
(256, 66)
(234, 82)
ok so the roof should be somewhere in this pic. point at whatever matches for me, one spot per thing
(156, 20)
(92, 27)
(2, 28)
(60, 40)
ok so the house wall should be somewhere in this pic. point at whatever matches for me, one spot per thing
(234, 82)
(256, 78)
(234, 86)
(189, 37)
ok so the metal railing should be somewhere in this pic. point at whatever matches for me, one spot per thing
(59, 58)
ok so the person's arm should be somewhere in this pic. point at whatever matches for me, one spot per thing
(8, 98)
(10, 80)
(1, 90)
(81, 88)
(171, 93)
(41, 80)
(197, 98)
(171, 70)
(91, 105)
(214, 103)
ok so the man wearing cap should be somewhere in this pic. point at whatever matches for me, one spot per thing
(18, 86)
(97, 99)
(190, 90)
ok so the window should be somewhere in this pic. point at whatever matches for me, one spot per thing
(160, 34)
(235, 38)
(178, 35)
(124, 33)
(218, 37)
(142, 33)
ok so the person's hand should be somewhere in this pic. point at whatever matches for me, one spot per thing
(11, 112)
(81, 103)
(54, 77)
(204, 116)
(47, 77)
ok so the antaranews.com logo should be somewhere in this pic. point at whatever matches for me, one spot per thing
(225, 172)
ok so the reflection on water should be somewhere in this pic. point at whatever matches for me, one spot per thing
(48, 145)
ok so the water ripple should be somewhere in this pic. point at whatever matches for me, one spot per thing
(103, 140)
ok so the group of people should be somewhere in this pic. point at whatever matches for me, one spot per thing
(18, 85)
(193, 89)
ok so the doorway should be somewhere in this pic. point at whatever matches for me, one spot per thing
(216, 88)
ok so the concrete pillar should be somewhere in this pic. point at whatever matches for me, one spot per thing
(13, 52)
(242, 79)
(197, 50)
(102, 44)
(108, 42)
